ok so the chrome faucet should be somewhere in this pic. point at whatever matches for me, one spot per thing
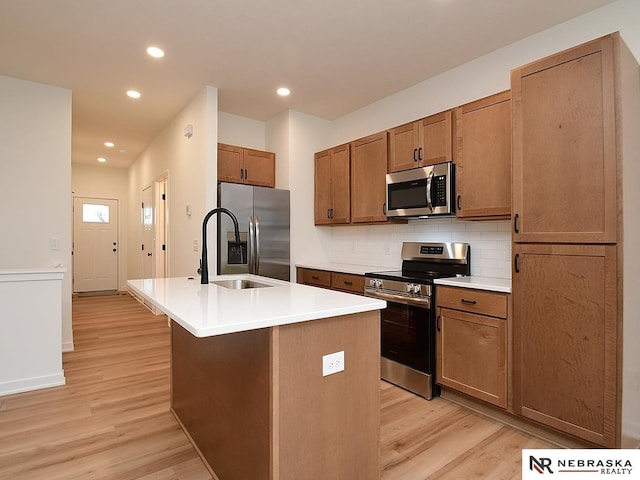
(204, 267)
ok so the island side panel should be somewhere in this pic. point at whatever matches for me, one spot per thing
(329, 426)
(221, 391)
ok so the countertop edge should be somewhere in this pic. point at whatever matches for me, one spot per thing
(500, 285)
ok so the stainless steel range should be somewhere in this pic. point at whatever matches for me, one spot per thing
(408, 324)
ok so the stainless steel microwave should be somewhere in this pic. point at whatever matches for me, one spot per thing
(422, 192)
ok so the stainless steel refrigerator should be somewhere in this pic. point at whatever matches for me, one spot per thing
(263, 218)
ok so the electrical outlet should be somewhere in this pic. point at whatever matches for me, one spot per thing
(195, 246)
(332, 363)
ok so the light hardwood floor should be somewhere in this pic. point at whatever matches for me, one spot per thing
(112, 421)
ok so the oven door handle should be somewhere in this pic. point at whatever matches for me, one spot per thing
(420, 302)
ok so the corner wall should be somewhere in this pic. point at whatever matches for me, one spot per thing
(35, 183)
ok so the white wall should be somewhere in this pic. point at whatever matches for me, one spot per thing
(35, 181)
(191, 165)
(100, 181)
(241, 131)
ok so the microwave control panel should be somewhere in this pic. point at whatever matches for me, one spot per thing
(439, 191)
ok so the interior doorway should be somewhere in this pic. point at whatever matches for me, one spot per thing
(95, 244)
(155, 229)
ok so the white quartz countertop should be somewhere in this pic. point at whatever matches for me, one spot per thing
(345, 268)
(502, 285)
(208, 310)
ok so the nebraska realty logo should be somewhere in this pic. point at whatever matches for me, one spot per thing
(581, 463)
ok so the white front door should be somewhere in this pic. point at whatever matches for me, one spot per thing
(95, 244)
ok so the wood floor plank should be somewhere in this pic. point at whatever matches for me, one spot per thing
(111, 420)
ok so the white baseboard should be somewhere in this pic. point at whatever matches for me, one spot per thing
(68, 347)
(34, 383)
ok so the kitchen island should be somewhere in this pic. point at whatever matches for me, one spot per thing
(247, 382)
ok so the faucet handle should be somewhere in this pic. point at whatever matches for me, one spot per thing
(199, 271)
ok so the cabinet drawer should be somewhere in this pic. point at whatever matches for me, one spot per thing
(347, 282)
(476, 301)
(319, 278)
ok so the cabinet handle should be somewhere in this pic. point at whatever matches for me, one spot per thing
(246, 174)
(415, 154)
(515, 263)
(468, 302)
(315, 277)
(241, 174)
(438, 322)
(419, 154)
(515, 223)
(458, 202)
(384, 208)
(348, 283)
(328, 213)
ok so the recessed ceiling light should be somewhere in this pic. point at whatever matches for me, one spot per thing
(133, 94)
(109, 144)
(283, 91)
(102, 159)
(155, 52)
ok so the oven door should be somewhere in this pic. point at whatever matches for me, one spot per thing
(407, 335)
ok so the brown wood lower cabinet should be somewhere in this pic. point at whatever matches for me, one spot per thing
(565, 338)
(471, 338)
(346, 282)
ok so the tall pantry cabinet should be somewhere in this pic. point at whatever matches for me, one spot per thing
(575, 153)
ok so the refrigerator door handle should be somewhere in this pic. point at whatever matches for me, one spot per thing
(251, 243)
(257, 265)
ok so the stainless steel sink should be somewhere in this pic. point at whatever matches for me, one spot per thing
(239, 284)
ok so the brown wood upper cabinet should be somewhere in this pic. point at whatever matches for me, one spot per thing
(564, 150)
(332, 192)
(244, 165)
(424, 142)
(483, 158)
(368, 185)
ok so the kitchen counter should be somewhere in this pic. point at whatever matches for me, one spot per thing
(502, 285)
(206, 310)
(345, 268)
(248, 366)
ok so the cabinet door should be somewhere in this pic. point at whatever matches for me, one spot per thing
(472, 355)
(340, 188)
(564, 155)
(368, 184)
(260, 168)
(436, 139)
(483, 158)
(565, 338)
(322, 182)
(230, 164)
(403, 147)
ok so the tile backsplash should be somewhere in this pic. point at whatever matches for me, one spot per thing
(380, 245)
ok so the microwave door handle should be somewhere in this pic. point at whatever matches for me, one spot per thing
(429, 179)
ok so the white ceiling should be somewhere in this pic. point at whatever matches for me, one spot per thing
(335, 55)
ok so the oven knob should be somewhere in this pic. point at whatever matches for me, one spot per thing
(379, 283)
(410, 287)
(416, 289)
(372, 282)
